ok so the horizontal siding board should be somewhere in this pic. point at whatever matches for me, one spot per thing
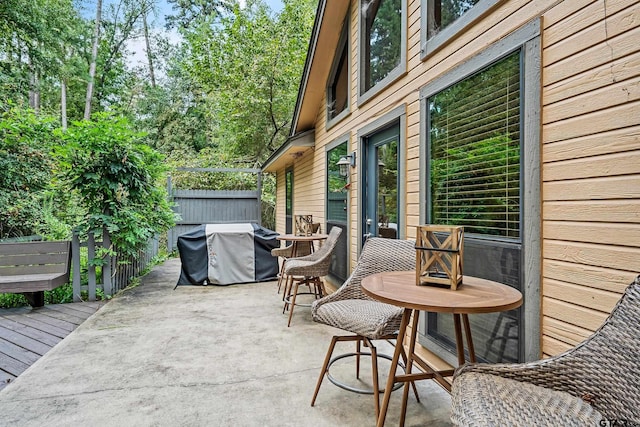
(595, 277)
(563, 11)
(552, 347)
(627, 163)
(589, 28)
(595, 299)
(593, 210)
(590, 232)
(616, 141)
(624, 68)
(619, 117)
(579, 62)
(616, 257)
(609, 96)
(624, 187)
(561, 331)
(573, 314)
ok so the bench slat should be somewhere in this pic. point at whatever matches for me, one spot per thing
(34, 247)
(25, 270)
(32, 282)
(61, 258)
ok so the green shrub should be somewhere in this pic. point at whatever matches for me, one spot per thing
(118, 180)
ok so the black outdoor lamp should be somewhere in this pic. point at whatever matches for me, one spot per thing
(345, 162)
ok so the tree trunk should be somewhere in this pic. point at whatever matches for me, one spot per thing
(94, 56)
(63, 102)
(149, 54)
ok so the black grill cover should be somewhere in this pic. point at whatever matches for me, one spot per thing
(224, 254)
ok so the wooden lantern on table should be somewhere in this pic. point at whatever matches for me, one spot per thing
(304, 225)
(439, 255)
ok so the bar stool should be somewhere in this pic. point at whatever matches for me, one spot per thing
(308, 270)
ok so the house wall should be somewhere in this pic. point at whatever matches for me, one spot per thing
(590, 150)
(591, 164)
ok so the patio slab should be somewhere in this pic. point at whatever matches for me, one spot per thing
(198, 356)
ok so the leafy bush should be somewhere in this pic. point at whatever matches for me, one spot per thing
(119, 181)
(26, 170)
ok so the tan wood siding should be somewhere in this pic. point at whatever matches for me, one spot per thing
(590, 127)
(591, 167)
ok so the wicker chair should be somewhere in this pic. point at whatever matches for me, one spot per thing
(303, 248)
(595, 383)
(365, 318)
(309, 269)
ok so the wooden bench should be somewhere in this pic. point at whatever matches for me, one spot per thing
(31, 268)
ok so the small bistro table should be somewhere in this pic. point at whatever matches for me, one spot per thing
(294, 239)
(399, 288)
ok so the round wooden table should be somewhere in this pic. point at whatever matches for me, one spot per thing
(294, 239)
(399, 288)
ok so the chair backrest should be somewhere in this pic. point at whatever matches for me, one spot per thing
(609, 362)
(379, 255)
(317, 262)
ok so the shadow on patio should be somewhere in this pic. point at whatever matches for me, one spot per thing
(214, 356)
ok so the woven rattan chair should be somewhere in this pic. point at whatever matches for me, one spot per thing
(303, 248)
(596, 381)
(365, 318)
(308, 270)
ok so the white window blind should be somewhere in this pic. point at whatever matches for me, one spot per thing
(474, 134)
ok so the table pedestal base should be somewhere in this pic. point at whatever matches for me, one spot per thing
(426, 371)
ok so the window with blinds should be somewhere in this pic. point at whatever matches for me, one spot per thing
(474, 135)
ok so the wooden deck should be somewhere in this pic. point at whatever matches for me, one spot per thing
(26, 334)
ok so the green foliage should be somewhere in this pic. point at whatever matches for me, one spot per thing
(384, 27)
(118, 180)
(26, 170)
(248, 65)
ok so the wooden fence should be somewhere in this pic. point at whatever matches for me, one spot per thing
(197, 207)
(116, 272)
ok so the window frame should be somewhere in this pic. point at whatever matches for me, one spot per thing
(396, 73)
(428, 46)
(526, 38)
(343, 49)
(343, 139)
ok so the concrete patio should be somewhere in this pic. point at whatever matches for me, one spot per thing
(199, 356)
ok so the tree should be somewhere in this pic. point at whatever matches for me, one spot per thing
(94, 58)
(118, 180)
(28, 201)
(248, 65)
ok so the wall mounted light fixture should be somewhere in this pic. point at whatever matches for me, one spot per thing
(345, 162)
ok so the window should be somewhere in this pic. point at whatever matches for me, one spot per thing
(338, 87)
(481, 150)
(442, 19)
(336, 185)
(337, 214)
(288, 209)
(382, 44)
(475, 151)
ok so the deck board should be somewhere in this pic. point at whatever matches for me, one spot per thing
(29, 331)
(26, 334)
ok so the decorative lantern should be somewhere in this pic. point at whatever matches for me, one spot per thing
(439, 255)
(304, 225)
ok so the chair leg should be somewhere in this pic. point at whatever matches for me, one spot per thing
(374, 374)
(293, 301)
(281, 276)
(286, 293)
(358, 352)
(325, 365)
